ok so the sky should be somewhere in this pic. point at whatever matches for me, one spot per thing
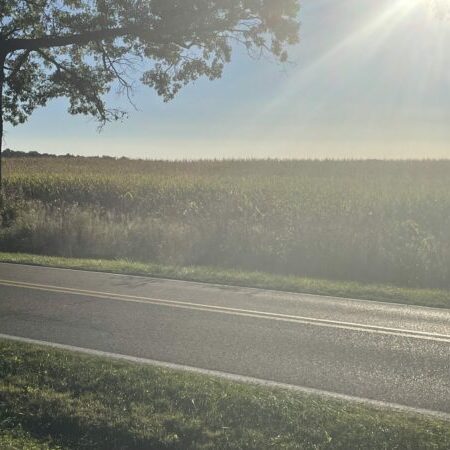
(370, 79)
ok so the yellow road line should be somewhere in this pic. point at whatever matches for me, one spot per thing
(231, 311)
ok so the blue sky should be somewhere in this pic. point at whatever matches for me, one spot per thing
(370, 79)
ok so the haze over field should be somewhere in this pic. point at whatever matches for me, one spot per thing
(369, 80)
(371, 222)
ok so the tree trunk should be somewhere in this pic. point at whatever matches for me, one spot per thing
(2, 80)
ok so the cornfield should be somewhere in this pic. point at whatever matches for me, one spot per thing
(369, 221)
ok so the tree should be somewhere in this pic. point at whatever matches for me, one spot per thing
(81, 49)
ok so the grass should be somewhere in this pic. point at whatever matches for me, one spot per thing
(385, 293)
(51, 398)
(371, 222)
(18, 440)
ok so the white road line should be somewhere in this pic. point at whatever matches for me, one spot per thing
(233, 311)
(233, 377)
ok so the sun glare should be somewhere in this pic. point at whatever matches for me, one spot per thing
(440, 8)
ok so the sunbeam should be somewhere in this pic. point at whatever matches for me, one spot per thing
(376, 32)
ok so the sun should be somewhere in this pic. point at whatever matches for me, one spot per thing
(437, 9)
(440, 8)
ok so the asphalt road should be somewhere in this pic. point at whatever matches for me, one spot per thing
(391, 353)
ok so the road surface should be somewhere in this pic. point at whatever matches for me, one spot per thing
(384, 352)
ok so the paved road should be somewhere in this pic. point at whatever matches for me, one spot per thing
(391, 353)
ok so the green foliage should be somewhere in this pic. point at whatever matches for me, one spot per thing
(80, 402)
(80, 49)
(371, 222)
(9, 210)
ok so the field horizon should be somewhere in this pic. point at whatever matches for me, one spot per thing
(14, 154)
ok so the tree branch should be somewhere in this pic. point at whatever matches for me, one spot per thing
(20, 61)
(110, 66)
(44, 42)
(78, 83)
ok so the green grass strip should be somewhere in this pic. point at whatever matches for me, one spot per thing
(57, 399)
(346, 289)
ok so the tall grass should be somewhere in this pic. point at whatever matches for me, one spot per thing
(384, 222)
